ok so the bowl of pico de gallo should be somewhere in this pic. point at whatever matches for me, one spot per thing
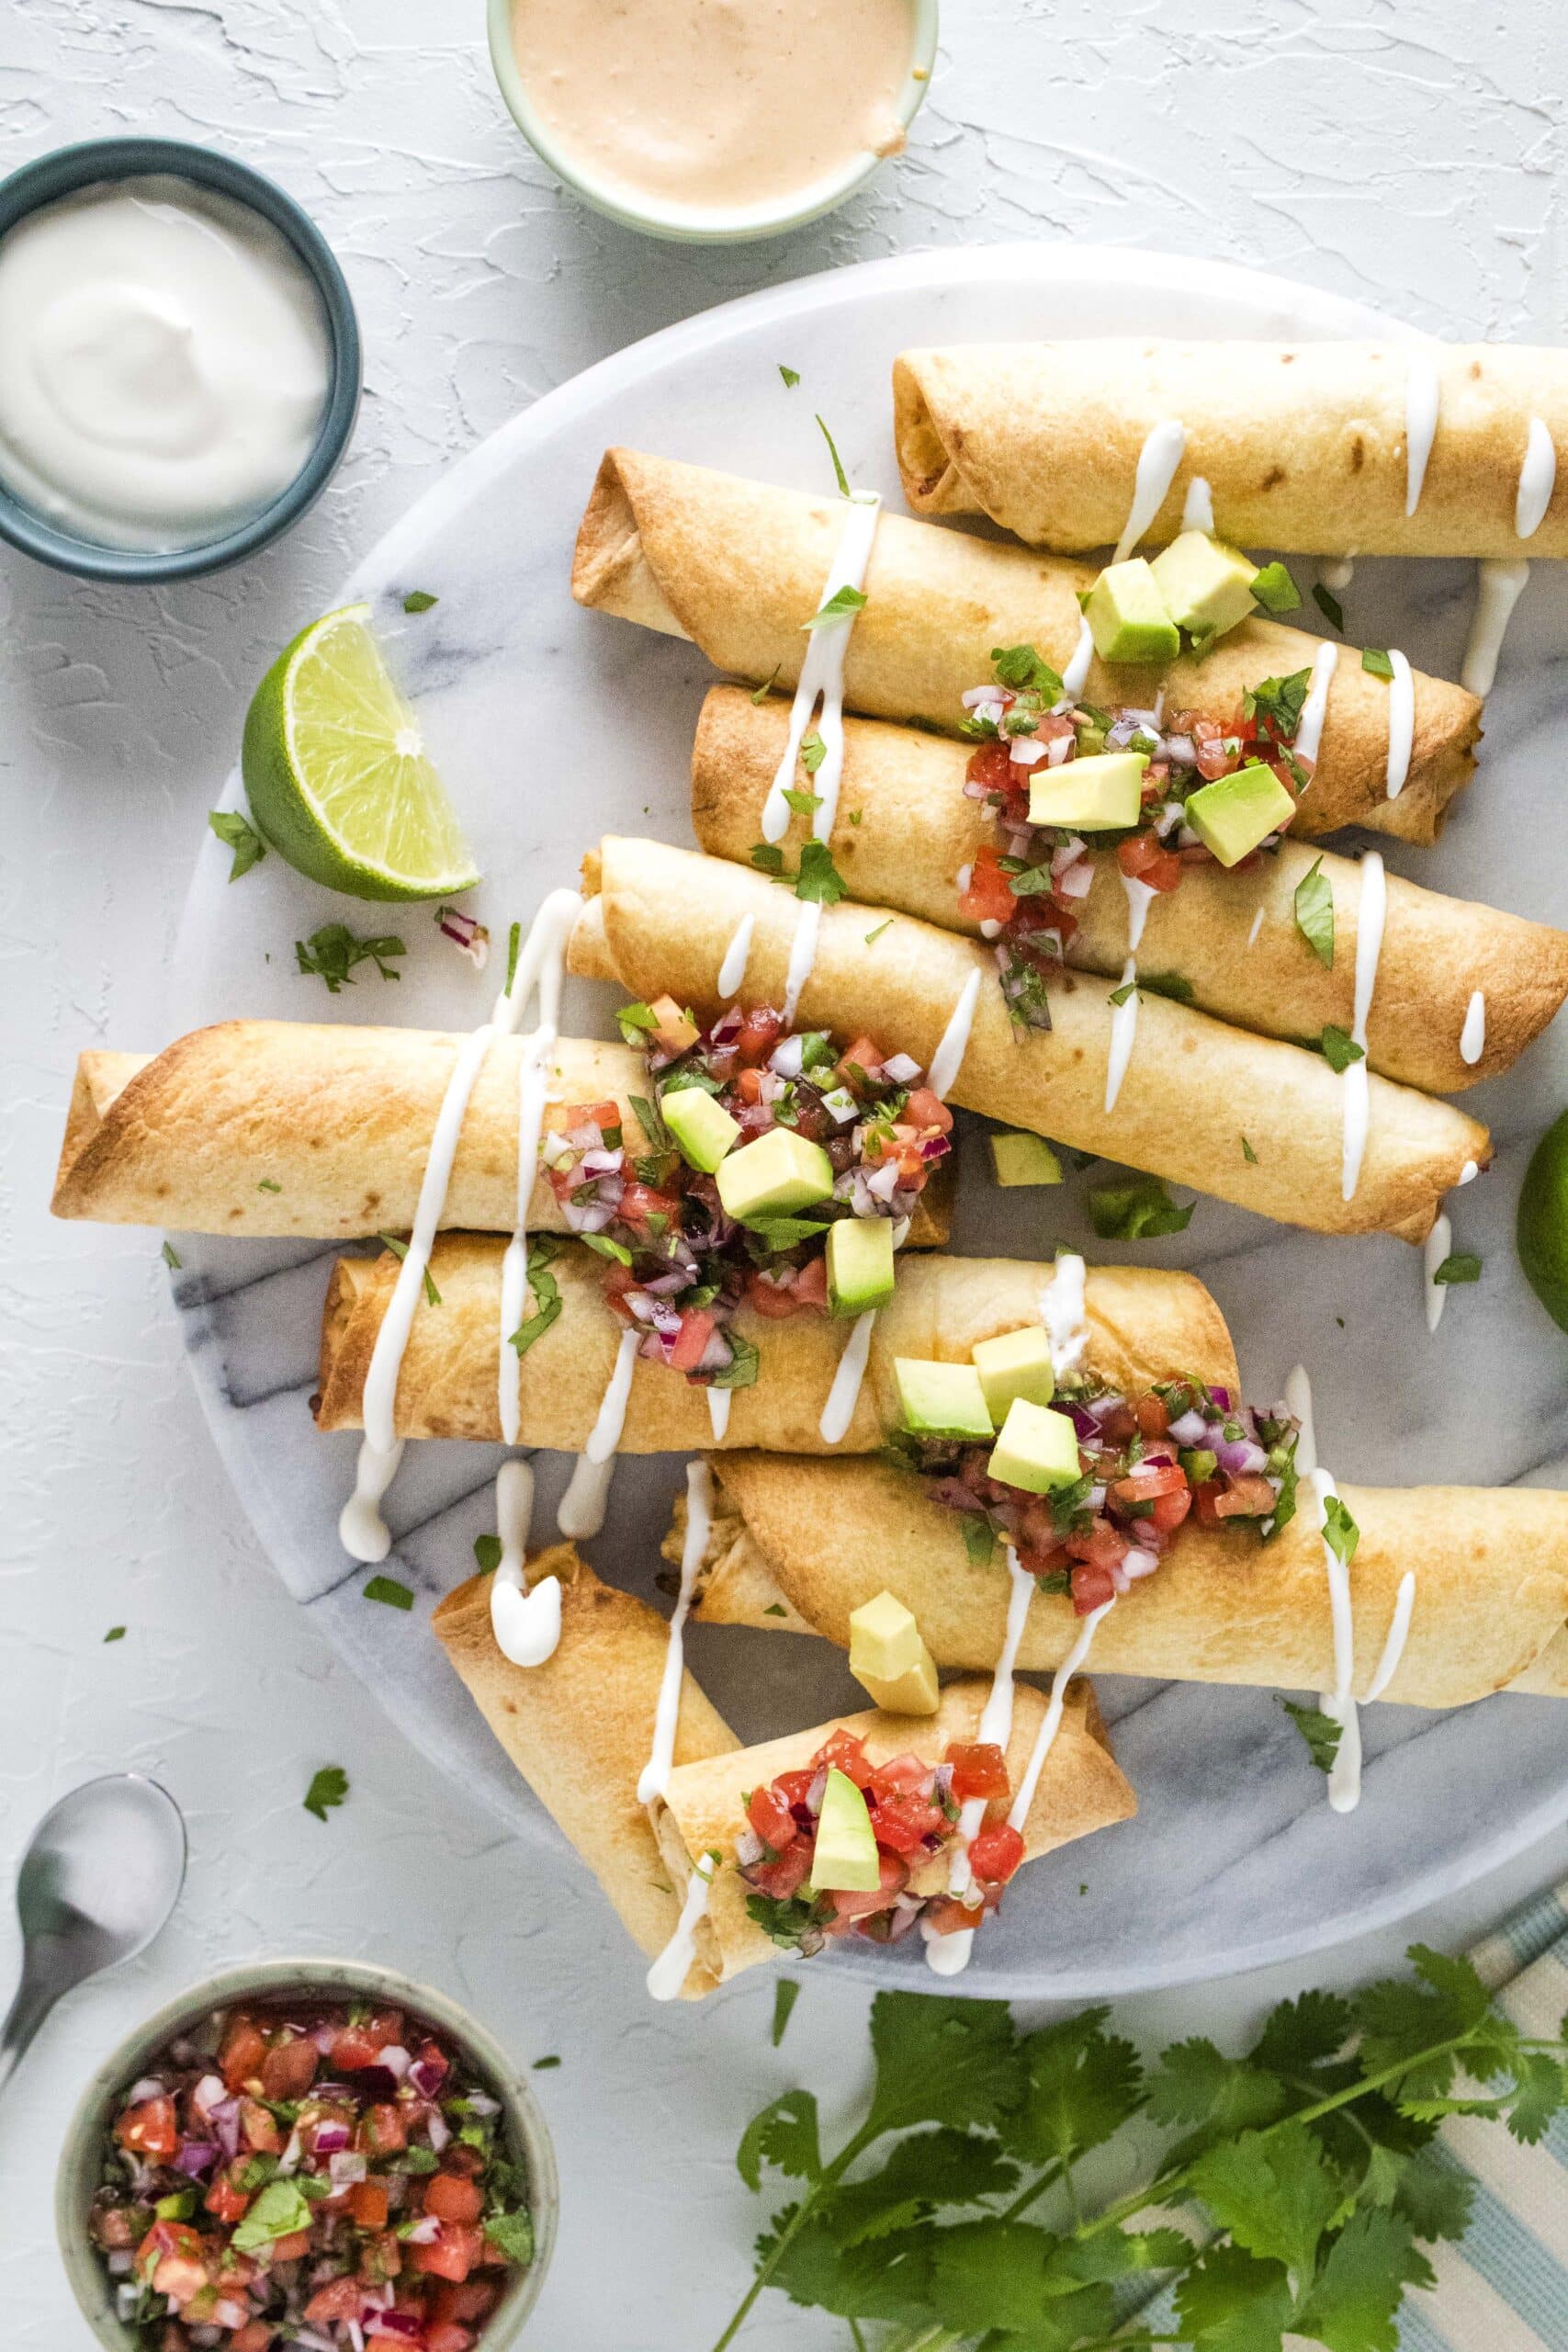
(307, 2153)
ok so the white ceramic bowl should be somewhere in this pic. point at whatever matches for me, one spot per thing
(687, 225)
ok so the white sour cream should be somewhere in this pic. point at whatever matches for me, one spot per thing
(164, 363)
(526, 1622)
(1198, 513)
(1401, 722)
(1537, 479)
(1434, 1249)
(948, 1058)
(1355, 1081)
(1309, 728)
(655, 1781)
(1063, 1313)
(1045, 1738)
(1075, 677)
(1421, 395)
(732, 970)
(1498, 587)
(1158, 462)
(669, 1972)
(1472, 1036)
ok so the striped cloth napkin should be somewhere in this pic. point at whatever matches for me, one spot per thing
(1505, 2288)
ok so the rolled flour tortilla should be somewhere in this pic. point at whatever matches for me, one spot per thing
(269, 1128)
(1303, 445)
(739, 566)
(1081, 1789)
(904, 831)
(1136, 1316)
(819, 1538)
(662, 919)
(580, 1729)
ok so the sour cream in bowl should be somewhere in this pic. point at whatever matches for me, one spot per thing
(179, 367)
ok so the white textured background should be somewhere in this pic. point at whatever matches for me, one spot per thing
(1406, 151)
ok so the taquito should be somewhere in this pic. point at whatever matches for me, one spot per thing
(662, 919)
(1141, 1321)
(739, 566)
(1081, 1789)
(904, 831)
(815, 1540)
(1303, 445)
(580, 1729)
(271, 1128)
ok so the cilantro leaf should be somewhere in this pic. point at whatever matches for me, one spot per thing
(1434, 2195)
(1195, 2084)
(791, 376)
(171, 1257)
(486, 1553)
(245, 840)
(1541, 2089)
(1021, 668)
(1275, 589)
(872, 936)
(636, 1023)
(1399, 2020)
(741, 1370)
(787, 1991)
(818, 877)
(1082, 2086)
(280, 2210)
(1279, 702)
(979, 1539)
(1355, 2301)
(1460, 1266)
(1247, 1153)
(843, 605)
(942, 2060)
(805, 804)
(400, 1250)
(783, 2134)
(839, 476)
(1375, 662)
(1313, 904)
(1329, 605)
(1136, 1210)
(1273, 2192)
(813, 752)
(545, 1293)
(334, 953)
(1001, 2274)
(1120, 995)
(927, 2170)
(768, 858)
(115, 1633)
(388, 1590)
(513, 2233)
(420, 600)
(328, 1788)
(1175, 985)
(1321, 1733)
(1340, 1049)
(1340, 1532)
(1299, 2034)
(1229, 2301)
(886, 2278)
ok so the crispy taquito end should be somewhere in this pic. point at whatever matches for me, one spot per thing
(1304, 446)
(738, 567)
(1081, 1789)
(662, 919)
(819, 1538)
(274, 1128)
(1137, 1317)
(905, 831)
(580, 1729)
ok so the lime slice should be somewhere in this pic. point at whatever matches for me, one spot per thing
(336, 775)
(1541, 1234)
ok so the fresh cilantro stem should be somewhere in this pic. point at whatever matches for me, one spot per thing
(829, 2177)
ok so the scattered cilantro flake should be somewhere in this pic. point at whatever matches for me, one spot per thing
(1340, 1049)
(333, 953)
(842, 606)
(280, 2210)
(236, 833)
(606, 1247)
(400, 1250)
(419, 600)
(741, 1370)
(1280, 702)
(1175, 985)
(1329, 605)
(760, 693)
(856, 816)
(775, 1609)
(871, 936)
(1021, 668)
(1321, 1733)
(818, 877)
(813, 752)
(1375, 662)
(328, 1788)
(636, 1022)
(1275, 589)
(545, 1292)
(269, 1184)
(787, 1991)
(1340, 1532)
(1313, 904)
(1460, 1266)
(839, 476)
(171, 1257)
(388, 1590)
(115, 1633)
(1138, 1209)
(979, 1538)
(768, 858)
(1247, 1153)
(805, 804)
(1121, 996)
(543, 2065)
(486, 1553)
(791, 376)
(513, 2233)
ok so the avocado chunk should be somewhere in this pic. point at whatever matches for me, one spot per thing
(942, 1399)
(1127, 616)
(1016, 1364)
(1023, 1159)
(859, 1264)
(779, 1172)
(1232, 815)
(890, 1660)
(1206, 583)
(1094, 795)
(702, 1128)
(846, 1856)
(1037, 1450)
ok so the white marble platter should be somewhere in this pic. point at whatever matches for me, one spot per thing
(551, 726)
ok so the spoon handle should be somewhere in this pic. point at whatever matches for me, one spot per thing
(35, 1998)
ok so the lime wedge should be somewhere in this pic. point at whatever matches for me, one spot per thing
(336, 775)
(1541, 1234)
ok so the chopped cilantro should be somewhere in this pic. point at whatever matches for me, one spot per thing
(245, 840)
(1275, 589)
(1375, 662)
(760, 693)
(171, 1257)
(420, 600)
(813, 752)
(400, 1250)
(787, 1991)
(1313, 904)
(513, 948)
(115, 1633)
(768, 858)
(486, 1553)
(1460, 1266)
(805, 804)
(1175, 985)
(818, 877)
(1279, 702)
(333, 953)
(328, 1788)
(1247, 1153)
(842, 606)
(543, 2065)
(1340, 1049)
(872, 936)
(1136, 1210)
(269, 1184)
(636, 1023)
(839, 476)
(791, 376)
(1329, 605)
(1321, 1733)
(546, 1290)
(388, 1590)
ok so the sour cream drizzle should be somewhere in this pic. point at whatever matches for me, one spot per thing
(1124, 1016)
(1398, 1635)
(1537, 479)
(1354, 1081)
(1198, 513)
(1401, 722)
(669, 1972)
(1421, 394)
(1309, 728)
(947, 1955)
(1472, 1036)
(732, 971)
(526, 1622)
(822, 677)
(1344, 1780)
(1338, 574)
(844, 1393)
(802, 956)
(1436, 1247)
(718, 1413)
(581, 1511)
(948, 1058)
(1158, 462)
(1075, 677)
(1498, 587)
(655, 1781)
(1061, 1313)
(1046, 1736)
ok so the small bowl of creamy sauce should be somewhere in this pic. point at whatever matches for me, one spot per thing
(179, 368)
(714, 120)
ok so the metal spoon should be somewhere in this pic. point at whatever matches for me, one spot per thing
(101, 1874)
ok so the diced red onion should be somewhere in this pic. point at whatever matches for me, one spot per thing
(841, 1105)
(195, 2157)
(345, 2166)
(900, 1069)
(1240, 1456)
(884, 1182)
(977, 695)
(121, 2265)
(1083, 1419)
(1027, 750)
(588, 1217)
(965, 875)
(1077, 881)
(228, 2313)
(328, 2139)
(356, 2335)
(1180, 750)
(816, 1792)
(597, 1162)
(1187, 1431)
(440, 2132)
(289, 2160)
(425, 2230)
(148, 2086)
(1060, 749)
(749, 1848)
(225, 2121)
(209, 2092)
(1096, 1496)
(393, 2323)
(126, 2298)
(787, 1057)
(1139, 1562)
(935, 1147)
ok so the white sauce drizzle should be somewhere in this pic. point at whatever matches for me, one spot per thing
(948, 1058)
(1158, 462)
(718, 1412)
(1421, 395)
(526, 1620)
(670, 1970)
(1309, 727)
(1438, 1244)
(1344, 1780)
(1338, 575)
(949, 1955)
(1063, 1313)
(1257, 927)
(1354, 1081)
(1198, 513)
(732, 971)
(581, 1512)
(822, 677)
(1401, 722)
(1046, 1736)
(1124, 1029)
(1537, 479)
(655, 1778)
(844, 1393)
(1075, 677)
(1498, 587)
(605, 1434)
(802, 956)
(1398, 1635)
(1472, 1036)
(1468, 1173)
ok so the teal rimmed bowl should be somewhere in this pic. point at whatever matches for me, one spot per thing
(82, 2155)
(68, 169)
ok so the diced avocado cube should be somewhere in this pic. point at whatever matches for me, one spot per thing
(779, 1172)
(845, 1858)
(890, 1660)
(1037, 1450)
(1206, 583)
(1023, 1159)
(942, 1399)
(1127, 616)
(1016, 1364)
(701, 1127)
(1232, 815)
(1092, 794)
(859, 1264)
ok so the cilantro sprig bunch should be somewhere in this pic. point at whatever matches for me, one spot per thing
(954, 2213)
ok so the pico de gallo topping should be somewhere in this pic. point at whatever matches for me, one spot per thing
(1145, 1464)
(914, 1809)
(677, 1267)
(1026, 888)
(311, 2174)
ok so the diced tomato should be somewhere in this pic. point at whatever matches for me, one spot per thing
(1205, 1501)
(1092, 1587)
(690, 1340)
(226, 2201)
(641, 1202)
(446, 2335)
(787, 1875)
(994, 769)
(989, 897)
(1147, 1479)
(771, 1817)
(339, 2299)
(1119, 1424)
(674, 1030)
(749, 1085)
(905, 1775)
(382, 2130)
(451, 2256)
(381, 2258)
(452, 2198)
(256, 2336)
(996, 1854)
(112, 2227)
(857, 1904)
(354, 2048)
(291, 2249)
(149, 2129)
(1246, 1498)
(1153, 1417)
(949, 1918)
(258, 2129)
(173, 2242)
(811, 1282)
(905, 1818)
(241, 2053)
(475, 2298)
(1102, 1545)
(927, 1110)
(979, 1769)
(857, 1061)
(1145, 859)
(605, 1116)
(774, 1301)
(367, 2204)
(842, 1751)
(795, 1787)
(467, 2162)
(1170, 1509)
(289, 2068)
(759, 1033)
